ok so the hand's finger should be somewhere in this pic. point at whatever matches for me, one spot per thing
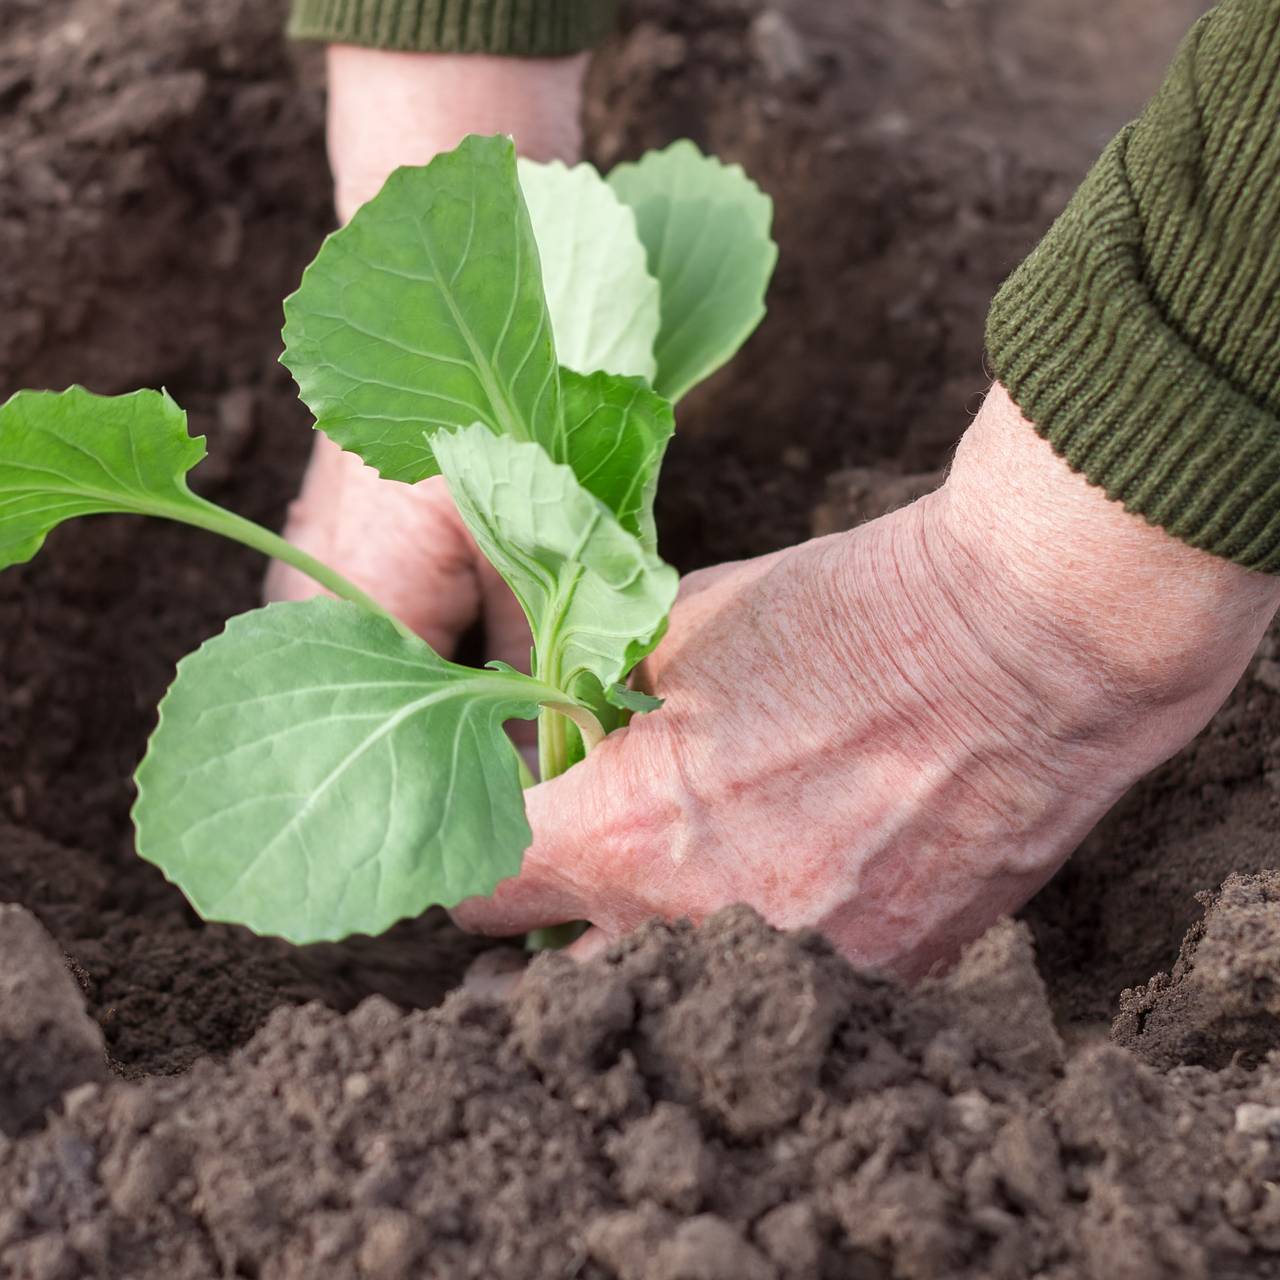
(592, 943)
(543, 894)
(506, 630)
(535, 899)
(403, 544)
(507, 638)
(571, 817)
(497, 974)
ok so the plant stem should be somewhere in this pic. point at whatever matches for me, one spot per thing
(553, 723)
(527, 779)
(553, 735)
(591, 729)
(555, 937)
(553, 744)
(272, 545)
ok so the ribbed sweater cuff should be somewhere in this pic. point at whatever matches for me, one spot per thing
(1142, 336)
(525, 28)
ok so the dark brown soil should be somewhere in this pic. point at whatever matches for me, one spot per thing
(731, 1104)
(1221, 1004)
(725, 1104)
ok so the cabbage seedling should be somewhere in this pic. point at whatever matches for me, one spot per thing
(522, 330)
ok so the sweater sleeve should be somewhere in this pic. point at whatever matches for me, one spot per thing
(1142, 336)
(525, 28)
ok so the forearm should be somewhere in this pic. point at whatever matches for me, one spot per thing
(409, 79)
(389, 109)
(1150, 620)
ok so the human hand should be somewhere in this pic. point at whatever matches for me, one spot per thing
(897, 735)
(406, 545)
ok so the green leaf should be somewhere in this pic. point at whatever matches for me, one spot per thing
(73, 453)
(681, 171)
(595, 597)
(706, 228)
(603, 301)
(631, 699)
(426, 312)
(315, 773)
(616, 433)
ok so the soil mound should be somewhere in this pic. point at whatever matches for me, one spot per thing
(713, 1104)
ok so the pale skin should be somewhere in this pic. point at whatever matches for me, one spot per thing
(894, 735)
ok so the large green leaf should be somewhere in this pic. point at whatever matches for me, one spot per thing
(315, 773)
(603, 301)
(73, 453)
(616, 433)
(595, 597)
(427, 312)
(705, 226)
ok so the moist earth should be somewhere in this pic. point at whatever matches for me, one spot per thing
(729, 1103)
(195, 1100)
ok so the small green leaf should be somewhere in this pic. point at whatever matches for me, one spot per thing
(603, 301)
(706, 227)
(315, 773)
(681, 171)
(496, 664)
(631, 699)
(616, 434)
(426, 312)
(595, 597)
(73, 453)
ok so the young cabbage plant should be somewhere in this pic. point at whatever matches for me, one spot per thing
(521, 330)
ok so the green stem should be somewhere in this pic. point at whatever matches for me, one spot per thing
(527, 779)
(553, 735)
(230, 525)
(553, 744)
(558, 711)
(591, 729)
(555, 937)
(553, 760)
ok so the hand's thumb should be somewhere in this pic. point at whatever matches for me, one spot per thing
(559, 880)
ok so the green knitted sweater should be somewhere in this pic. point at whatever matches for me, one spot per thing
(529, 28)
(1142, 336)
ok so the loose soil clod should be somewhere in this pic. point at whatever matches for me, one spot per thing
(48, 1043)
(1222, 1002)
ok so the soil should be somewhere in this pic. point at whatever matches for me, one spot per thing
(725, 1102)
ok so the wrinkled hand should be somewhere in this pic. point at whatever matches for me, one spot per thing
(896, 735)
(406, 546)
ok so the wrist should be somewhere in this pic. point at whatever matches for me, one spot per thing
(388, 109)
(1148, 616)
